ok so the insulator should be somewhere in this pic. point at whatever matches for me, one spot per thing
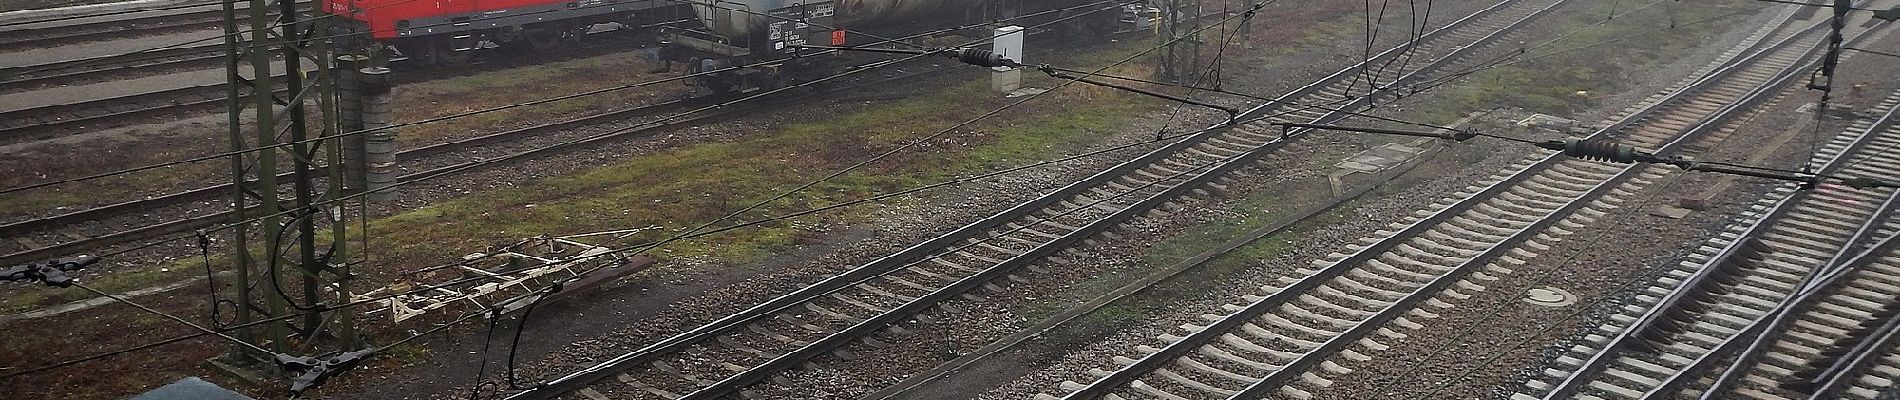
(984, 58)
(1600, 150)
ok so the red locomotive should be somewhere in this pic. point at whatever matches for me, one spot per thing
(444, 32)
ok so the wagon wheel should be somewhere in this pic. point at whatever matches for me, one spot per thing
(449, 53)
(543, 39)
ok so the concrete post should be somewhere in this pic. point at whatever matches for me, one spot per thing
(1009, 44)
(350, 119)
(379, 146)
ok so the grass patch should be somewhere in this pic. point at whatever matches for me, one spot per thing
(1551, 85)
(414, 102)
(495, 89)
(683, 187)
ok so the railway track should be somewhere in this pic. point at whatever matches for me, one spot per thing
(430, 160)
(56, 120)
(735, 353)
(1793, 301)
(419, 154)
(32, 234)
(1323, 320)
(93, 69)
(69, 31)
(209, 56)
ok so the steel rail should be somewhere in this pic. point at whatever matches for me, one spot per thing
(1284, 295)
(27, 77)
(1597, 362)
(1830, 381)
(922, 250)
(194, 222)
(113, 111)
(27, 226)
(208, 192)
(51, 36)
(1816, 281)
(1154, 361)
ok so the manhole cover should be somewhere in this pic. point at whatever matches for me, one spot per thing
(1550, 297)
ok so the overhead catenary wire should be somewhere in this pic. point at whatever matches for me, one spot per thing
(1214, 67)
(1616, 152)
(1874, 52)
(174, 318)
(1823, 77)
(1270, 100)
(1496, 310)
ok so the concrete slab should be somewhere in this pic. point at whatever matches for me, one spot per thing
(1381, 158)
(191, 388)
(1671, 212)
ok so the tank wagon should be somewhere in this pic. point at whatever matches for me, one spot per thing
(759, 36)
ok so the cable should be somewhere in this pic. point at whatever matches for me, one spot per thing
(1498, 307)
(1818, 5)
(169, 316)
(475, 391)
(1823, 78)
(1874, 52)
(1417, 28)
(1270, 100)
(1213, 67)
(211, 283)
(1412, 35)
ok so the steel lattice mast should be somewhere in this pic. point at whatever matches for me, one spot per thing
(282, 93)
